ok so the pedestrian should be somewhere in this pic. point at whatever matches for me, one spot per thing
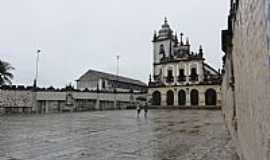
(138, 110)
(145, 110)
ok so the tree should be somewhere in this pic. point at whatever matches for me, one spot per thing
(5, 74)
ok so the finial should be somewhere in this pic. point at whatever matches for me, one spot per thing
(150, 78)
(181, 40)
(201, 51)
(155, 36)
(165, 20)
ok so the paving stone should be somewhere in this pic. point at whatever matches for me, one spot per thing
(116, 135)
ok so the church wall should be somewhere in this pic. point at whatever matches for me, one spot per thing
(156, 49)
(251, 60)
(201, 88)
(180, 65)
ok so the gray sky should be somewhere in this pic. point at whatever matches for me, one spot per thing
(76, 35)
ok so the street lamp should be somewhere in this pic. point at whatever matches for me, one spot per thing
(117, 67)
(36, 76)
(117, 79)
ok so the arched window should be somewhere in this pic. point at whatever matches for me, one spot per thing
(194, 97)
(161, 49)
(170, 98)
(210, 97)
(181, 98)
(156, 98)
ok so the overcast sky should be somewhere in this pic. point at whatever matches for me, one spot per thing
(77, 35)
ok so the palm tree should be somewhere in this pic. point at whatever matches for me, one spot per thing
(5, 74)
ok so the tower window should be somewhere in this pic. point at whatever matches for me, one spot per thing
(161, 49)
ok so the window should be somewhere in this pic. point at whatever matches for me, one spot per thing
(103, 85)
(170, 78)
(170, 73)
(193, 75)
(161, 49)
(182, 76)
(181, 72)
(193, 71)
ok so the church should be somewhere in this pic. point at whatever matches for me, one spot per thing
(181, 77)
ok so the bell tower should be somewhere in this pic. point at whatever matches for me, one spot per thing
(163, 42)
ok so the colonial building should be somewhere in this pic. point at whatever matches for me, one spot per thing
(181, 77)
(96, 80)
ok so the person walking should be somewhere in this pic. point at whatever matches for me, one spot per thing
(138, 110)
(145, 110)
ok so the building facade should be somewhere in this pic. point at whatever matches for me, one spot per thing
(21, 99)
(96, 80)
(181, 77)
(95, 91)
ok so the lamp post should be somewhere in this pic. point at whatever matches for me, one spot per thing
(37, 66)
(117, 79)
(117, 67)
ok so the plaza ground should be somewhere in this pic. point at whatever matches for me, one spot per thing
(116, 135)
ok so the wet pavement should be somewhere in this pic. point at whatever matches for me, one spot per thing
(116, 135)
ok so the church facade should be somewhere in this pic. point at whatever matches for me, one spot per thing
(181, 78)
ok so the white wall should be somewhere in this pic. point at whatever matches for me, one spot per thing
(251, 61)
(187, 65)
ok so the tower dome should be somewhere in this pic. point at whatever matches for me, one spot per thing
(165, 30)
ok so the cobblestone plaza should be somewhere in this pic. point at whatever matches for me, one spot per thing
(116, 135)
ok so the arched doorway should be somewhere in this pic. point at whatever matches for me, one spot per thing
(156, 98)
(181, 98)
(170, 98)
(194, 97)
(210, 97)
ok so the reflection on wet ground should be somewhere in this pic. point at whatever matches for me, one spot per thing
(116, 135)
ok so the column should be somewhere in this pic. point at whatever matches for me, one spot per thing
(188, 97)
(175, 97)
(163, 99)
(201, 98)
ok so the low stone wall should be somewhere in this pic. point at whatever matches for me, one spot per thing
(22, 99)
(16, 100)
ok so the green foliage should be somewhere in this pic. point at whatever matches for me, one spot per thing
(5, 75)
